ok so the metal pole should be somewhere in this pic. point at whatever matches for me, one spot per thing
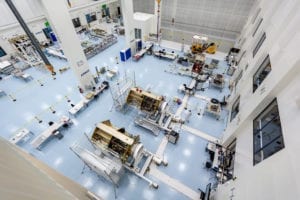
(30, 35)
(114, 185)
(134, 79)
(158, 7)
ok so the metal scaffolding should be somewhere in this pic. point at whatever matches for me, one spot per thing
(120, 90)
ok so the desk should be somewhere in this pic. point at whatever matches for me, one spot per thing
(86, 100)
(207, 70)
(81, 104)
(215, 163)
(90, 95)
(55, 53)
(4, 64)
(6, 67)
(63, 69)
(39, 140)
(164, 54)
(141, 53)
(100, 89)
(218, 81)
(22, 75)
(213, 108)
(19, 136)
(211, 147)
(26, 76)
(111, 73)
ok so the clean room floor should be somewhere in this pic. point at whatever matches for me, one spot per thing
(186, 158)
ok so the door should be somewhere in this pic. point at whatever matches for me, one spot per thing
(138, 33)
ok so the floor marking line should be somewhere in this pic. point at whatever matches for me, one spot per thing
(57, 102)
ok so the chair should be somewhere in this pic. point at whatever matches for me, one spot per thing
(208, 165)
(50, 123)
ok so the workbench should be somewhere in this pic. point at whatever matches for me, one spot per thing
(20, 135)
(6, 67)
(111, 73)
(166, 55)
(139, 54)
(217, 81)
(56, 53)
(215, 163)
(214, 107)
(87, 99)
(142, 52)
(50, 131)
(22, 75)
(80, 105)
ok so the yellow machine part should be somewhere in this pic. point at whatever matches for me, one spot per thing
(117, 141)
(144, 100)
(212, 49)
(51, 69)
(196, 48)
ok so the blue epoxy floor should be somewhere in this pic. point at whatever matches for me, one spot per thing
(186, 159)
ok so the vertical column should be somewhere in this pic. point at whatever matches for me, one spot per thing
(59, 18)
(157, 14)
(127, 13)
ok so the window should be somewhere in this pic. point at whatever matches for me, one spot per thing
(231, 157)
(235, 108)
(138, 33)
(246, 67)
(2, 52)
(267, 133)
(76, 22)
(261, 73)
(88, 18)
(256, 15)
(239, 41)
(259, 43)
(238, 78)
(243, 42)
(91, 17)
(257, 27)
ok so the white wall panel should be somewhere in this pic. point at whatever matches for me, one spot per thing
(28, 9)
(274, 178)
(217, 18)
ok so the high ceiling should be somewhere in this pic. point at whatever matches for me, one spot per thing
(29, 9)
(221, 18)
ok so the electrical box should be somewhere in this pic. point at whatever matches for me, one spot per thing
(125, 54)
(138, 44)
